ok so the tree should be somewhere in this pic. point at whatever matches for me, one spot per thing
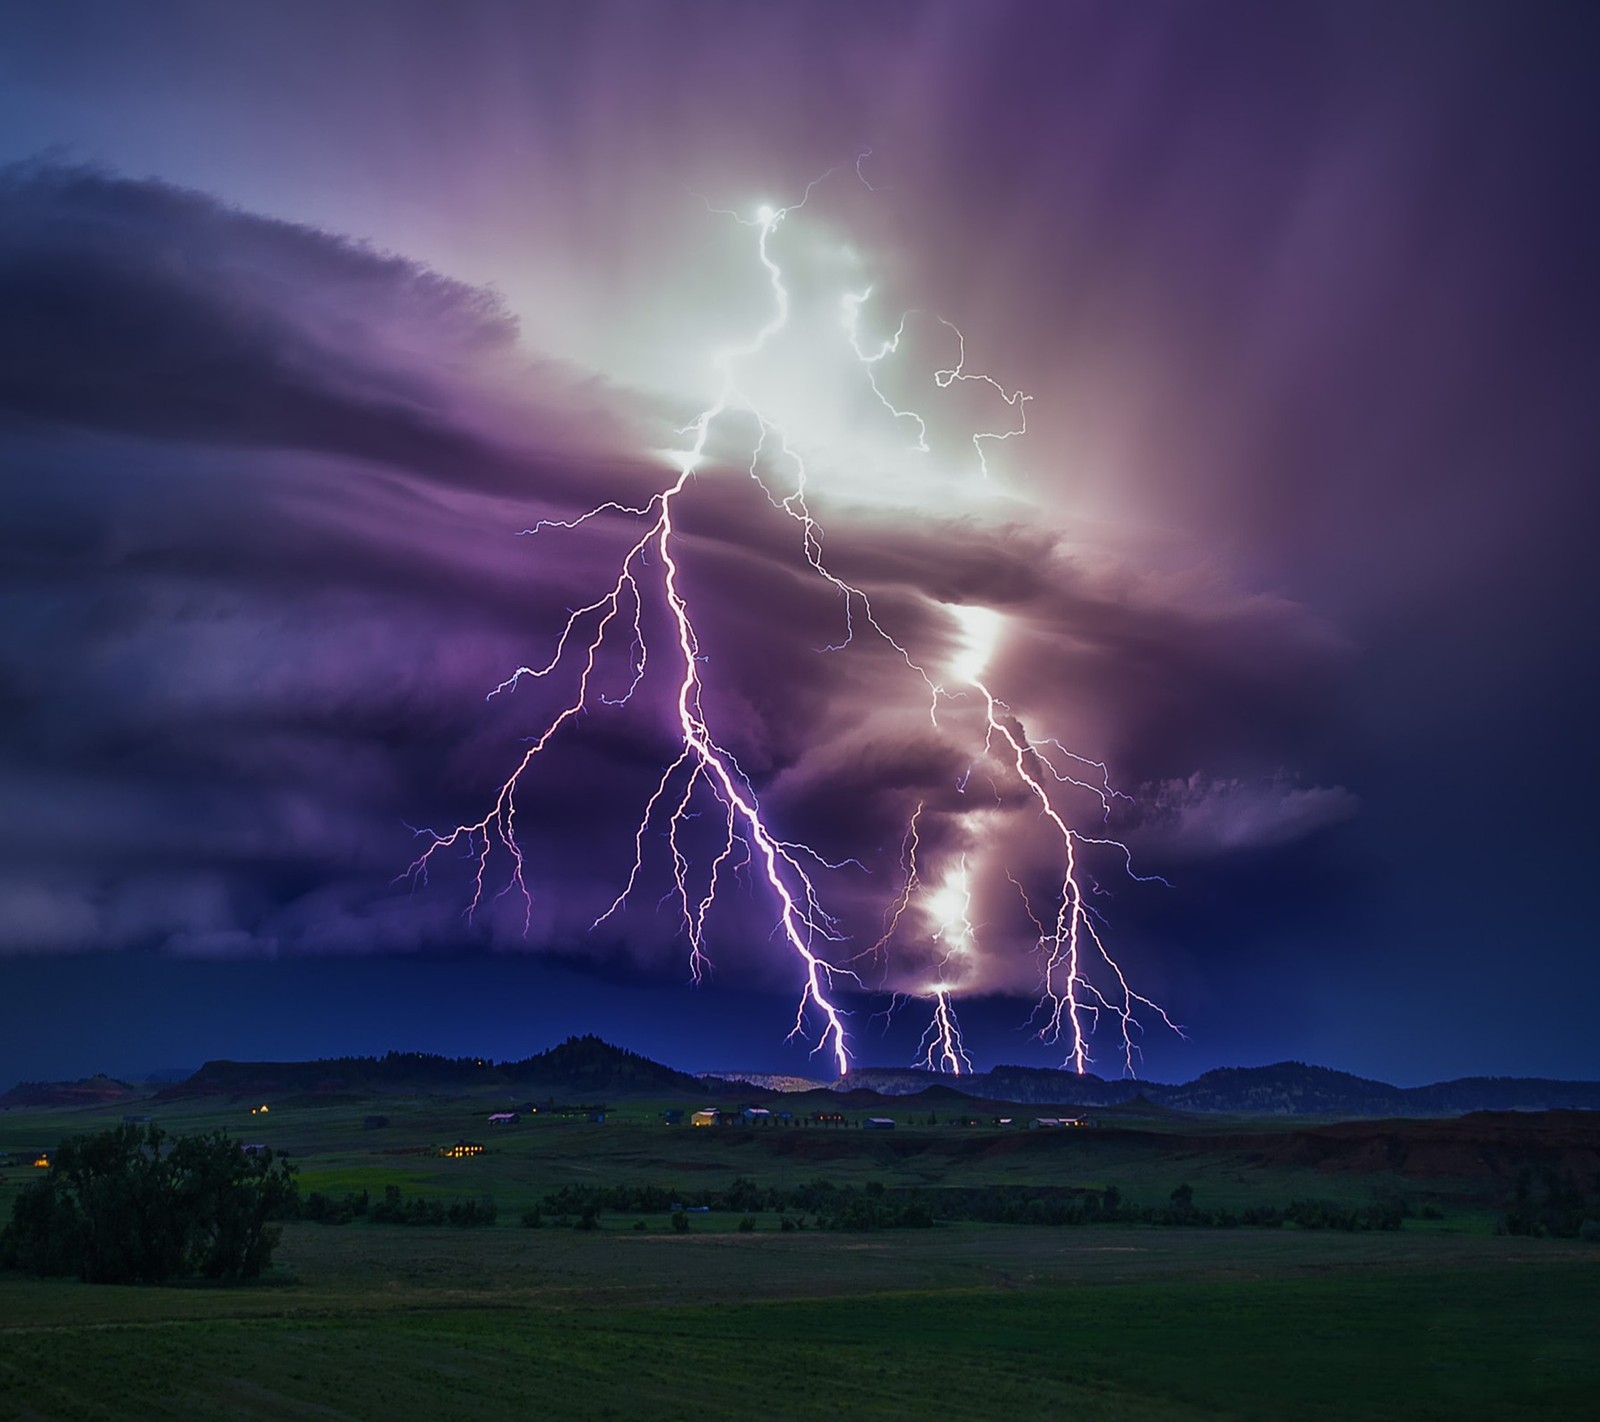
(114, 1209)
(1182, 1211)
(224, 1200)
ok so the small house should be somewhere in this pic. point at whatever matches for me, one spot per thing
(254, 1148)
(827, 1118)
(461, 1150)
(706, 1118)
(757, 1115)
(877, 1123)
(503, 1118)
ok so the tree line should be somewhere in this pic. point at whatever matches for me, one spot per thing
(877, 1206)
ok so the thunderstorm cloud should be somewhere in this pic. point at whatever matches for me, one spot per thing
(308, 312)
(271, 487)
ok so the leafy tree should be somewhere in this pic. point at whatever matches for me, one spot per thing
(224, 1199)
(114, 1209)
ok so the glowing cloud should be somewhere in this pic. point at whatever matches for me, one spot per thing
(779, 419)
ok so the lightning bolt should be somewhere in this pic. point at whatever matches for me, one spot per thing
(705, 773)
(1071, 996)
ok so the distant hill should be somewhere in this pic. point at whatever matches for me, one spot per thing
(763, 1080)
(1285, 1089)
(590, 1065)
(589, 1069)
(583, 1066)
(96, 1090)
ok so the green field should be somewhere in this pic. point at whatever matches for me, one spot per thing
(962, 1320)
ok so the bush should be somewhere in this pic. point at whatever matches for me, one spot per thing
(747, 1224)
(680, 1222)
(115, 1210)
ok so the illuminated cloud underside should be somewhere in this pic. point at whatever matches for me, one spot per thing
(1080, 978)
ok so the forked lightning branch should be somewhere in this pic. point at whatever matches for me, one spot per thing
(1081, 983)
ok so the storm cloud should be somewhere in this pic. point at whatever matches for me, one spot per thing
(1296, 544)
(264, 568)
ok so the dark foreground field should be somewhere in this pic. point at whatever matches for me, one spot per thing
(959, 1322)
(1442, 1318)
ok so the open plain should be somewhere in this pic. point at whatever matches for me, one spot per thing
(754, 1312)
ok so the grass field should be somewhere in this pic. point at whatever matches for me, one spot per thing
(963, 1320)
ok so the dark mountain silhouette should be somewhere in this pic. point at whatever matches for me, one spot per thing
(1284, 1089)
(96, 1090)
(588, 1064)
(589, 1069)
(584, 1066)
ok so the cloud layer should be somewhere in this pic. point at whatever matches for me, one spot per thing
(263, 568)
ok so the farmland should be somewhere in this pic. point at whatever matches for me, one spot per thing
(636, 1318)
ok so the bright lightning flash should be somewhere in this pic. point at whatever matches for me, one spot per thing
(704, 774)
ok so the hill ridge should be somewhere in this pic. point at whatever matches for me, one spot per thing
(591, 1068)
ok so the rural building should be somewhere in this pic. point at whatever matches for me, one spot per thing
(706, 1118)
(877, 1123)
(827, 1118)
(254, 1148)
(503, 1118)
(261, 1110)
(461, 1150)
(757, 1115)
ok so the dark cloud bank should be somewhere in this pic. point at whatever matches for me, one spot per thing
(261, 571)
(259, 568)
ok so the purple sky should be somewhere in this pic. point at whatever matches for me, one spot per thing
(305, 315)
